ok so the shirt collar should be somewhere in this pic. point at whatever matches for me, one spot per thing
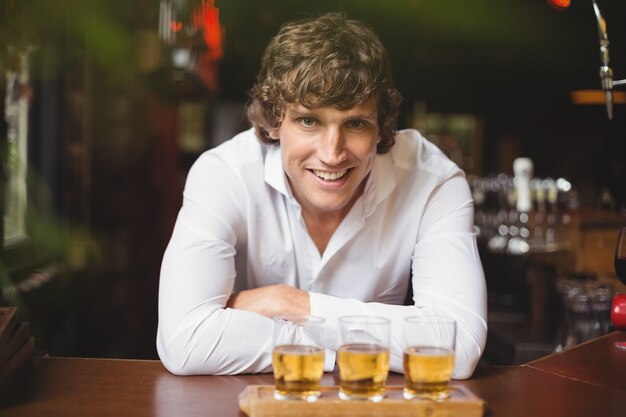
(380, 183)
(273, 171)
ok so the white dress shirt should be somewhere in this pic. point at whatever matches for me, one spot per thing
(241, 228)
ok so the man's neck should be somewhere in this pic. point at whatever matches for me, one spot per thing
(321, 227)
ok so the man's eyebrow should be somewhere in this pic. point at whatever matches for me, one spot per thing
(362, 116)
(371, 115)
(304, 112)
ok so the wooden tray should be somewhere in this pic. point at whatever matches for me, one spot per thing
(258, 401)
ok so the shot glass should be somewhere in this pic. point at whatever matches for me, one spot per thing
(298, 357)
(428, 361)
(363, 357)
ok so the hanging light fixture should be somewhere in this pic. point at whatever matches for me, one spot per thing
(193, 35)
(559, 4)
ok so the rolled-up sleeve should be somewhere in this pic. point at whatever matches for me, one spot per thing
(446, 276)
(196, 333)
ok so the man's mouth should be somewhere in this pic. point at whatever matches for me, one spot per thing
(330, 176)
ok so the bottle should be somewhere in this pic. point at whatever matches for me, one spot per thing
(520, 233)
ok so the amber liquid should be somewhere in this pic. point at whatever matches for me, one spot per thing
(363, 370)
(298, 371)
(427, 372)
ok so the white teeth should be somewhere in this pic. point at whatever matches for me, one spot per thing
(330, 176)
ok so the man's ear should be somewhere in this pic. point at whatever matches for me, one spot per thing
(273, 133)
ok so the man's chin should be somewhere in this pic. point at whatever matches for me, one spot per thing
(330, 206)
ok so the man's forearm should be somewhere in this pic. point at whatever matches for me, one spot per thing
(272, 301)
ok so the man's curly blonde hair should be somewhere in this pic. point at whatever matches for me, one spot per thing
(322, 62)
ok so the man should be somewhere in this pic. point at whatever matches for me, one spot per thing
(320, 209)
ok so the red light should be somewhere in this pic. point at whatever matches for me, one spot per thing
(176, 26)
(208, 18)
(560, 4)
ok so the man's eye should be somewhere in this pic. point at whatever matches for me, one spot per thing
(307, 121)
(355, 124)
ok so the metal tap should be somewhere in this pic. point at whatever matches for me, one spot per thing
(606, 73)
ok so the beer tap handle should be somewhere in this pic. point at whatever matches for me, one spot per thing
(604, 38)
(606, 73)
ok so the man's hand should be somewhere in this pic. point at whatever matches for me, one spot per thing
(272, 301)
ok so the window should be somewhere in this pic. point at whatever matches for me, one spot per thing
(17, 98)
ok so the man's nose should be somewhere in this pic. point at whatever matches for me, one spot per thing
(332, 147)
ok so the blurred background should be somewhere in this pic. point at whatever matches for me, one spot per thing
(107, 103)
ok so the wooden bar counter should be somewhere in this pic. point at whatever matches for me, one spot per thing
(587, 380)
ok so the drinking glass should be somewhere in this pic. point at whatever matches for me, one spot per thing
(298, 357)
(428, 360)
(620, 255)
(619, 304)
(363, 357)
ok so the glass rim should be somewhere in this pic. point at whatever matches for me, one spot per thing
(363, 319)
(619, 246)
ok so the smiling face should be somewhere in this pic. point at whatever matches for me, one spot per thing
(327, 154)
